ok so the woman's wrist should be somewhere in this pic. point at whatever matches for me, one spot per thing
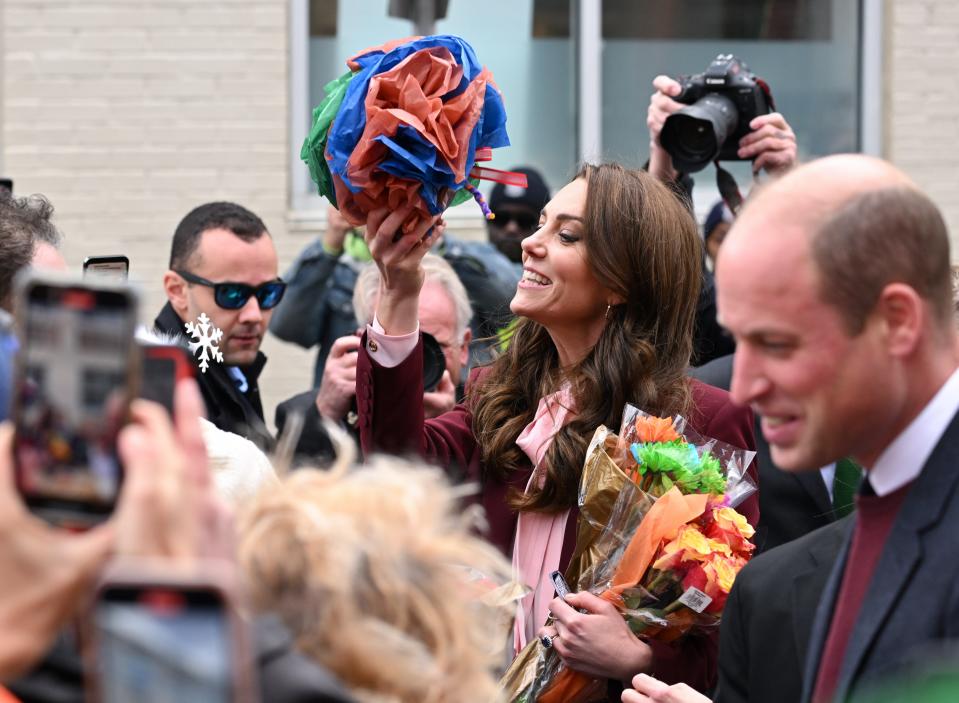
(397, 310)
(638, 661)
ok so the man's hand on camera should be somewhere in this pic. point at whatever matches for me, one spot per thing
(771, 145)
(338, 385)
(441, 400)
(661, 106)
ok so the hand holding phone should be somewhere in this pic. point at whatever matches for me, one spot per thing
(115, 267)
(47, 574)
(77, 371)
(562, 588)
(157, 637)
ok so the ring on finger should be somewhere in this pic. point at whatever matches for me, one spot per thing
(547, 640)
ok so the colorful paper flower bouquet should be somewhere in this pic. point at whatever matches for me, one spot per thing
(658, 536)
(405, 126)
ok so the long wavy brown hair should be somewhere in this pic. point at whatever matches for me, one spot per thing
(641, 243)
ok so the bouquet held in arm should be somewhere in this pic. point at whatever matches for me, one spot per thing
(658, 536)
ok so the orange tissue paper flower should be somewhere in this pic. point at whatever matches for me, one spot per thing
(655, 429)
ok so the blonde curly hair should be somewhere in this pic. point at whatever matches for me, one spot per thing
(374, 570)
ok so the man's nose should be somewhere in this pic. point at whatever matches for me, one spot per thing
(748, 382)
(251, 312)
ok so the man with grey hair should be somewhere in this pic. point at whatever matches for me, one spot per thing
(445, 313)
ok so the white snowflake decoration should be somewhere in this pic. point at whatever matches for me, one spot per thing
(207, 337)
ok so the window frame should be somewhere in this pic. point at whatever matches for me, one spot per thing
(306, 206)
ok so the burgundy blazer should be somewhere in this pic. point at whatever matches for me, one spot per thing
(390, 408)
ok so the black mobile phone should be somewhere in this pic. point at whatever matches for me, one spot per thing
(76, 372)
(161, 639)
(559, 583)
(115, 267)
(164, 365)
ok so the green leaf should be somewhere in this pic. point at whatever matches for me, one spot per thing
(314, 145)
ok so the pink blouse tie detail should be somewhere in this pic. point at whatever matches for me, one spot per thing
(538, 544)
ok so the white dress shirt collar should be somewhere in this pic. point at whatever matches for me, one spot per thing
(902, 461)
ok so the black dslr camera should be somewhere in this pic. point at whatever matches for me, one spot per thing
(722, 102)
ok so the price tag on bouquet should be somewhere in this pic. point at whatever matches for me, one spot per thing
(694, 599)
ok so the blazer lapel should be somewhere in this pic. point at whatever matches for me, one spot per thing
(899, 558)
(806, 594)
(922, 509)
(820, 626)
(814, 485)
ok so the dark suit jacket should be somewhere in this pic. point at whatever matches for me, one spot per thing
(226, 407)
(791, 504)
(766, 623)
(913, 599)
(390, 404)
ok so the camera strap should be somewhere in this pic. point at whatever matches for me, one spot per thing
(728, 189)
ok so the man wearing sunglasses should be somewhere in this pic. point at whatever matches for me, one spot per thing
(223, 264)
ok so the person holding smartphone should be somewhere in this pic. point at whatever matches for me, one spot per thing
(607, 302)
(167, 509)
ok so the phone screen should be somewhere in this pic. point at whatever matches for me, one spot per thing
(75, 372)
(163, 366)
(159, 380)
(163, 645)
(106, 267)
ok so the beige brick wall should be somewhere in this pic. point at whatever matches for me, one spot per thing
(922, 99)
(128, 113)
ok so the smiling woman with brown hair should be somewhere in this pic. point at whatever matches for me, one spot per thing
(606, 306)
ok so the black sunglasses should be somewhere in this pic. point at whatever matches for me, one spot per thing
(233, 296)
(523, 220)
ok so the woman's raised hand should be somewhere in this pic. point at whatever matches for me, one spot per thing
(398, 256)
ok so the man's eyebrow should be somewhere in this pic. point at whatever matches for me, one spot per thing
(763, 332)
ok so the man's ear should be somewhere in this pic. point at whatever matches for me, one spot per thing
(175, 288)
(905, 316)
(465, 347)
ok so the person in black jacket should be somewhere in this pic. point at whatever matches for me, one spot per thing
(223, 278)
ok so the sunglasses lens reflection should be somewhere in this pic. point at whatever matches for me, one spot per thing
(269, 295)
(232, 296)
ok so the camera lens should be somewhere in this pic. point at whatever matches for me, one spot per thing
(434, 362)
(694, 135)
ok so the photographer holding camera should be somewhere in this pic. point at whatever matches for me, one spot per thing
(724, 113)
(770, 142)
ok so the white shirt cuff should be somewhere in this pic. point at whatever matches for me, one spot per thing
(389, 351)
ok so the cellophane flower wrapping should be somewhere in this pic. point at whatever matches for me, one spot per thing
(402, 127)
(658, 536)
